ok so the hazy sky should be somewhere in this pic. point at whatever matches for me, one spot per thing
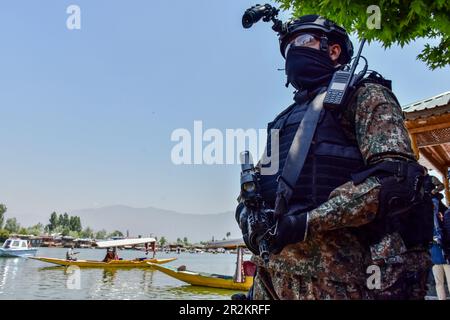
(87, 115)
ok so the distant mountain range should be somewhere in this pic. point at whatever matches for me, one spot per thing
(159, 222)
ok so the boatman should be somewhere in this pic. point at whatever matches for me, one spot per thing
(110, 255)
(71, 255)
(355, 224)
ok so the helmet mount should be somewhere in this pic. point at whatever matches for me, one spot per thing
(329, 31)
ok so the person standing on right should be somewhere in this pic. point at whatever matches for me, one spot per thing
(441, 267)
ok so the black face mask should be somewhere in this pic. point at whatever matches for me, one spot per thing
(308, 68)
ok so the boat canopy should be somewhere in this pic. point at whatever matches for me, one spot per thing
(227, 244)
(123, 242)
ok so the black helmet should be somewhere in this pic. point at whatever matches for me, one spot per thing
(323, 26)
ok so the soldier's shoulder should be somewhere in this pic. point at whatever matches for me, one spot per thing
(374, 93)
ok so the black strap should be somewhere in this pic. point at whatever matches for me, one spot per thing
(297, 155)
(397, 168)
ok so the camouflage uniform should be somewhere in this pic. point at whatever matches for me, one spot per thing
(332, 262)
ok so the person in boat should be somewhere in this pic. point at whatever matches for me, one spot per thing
(71, 255)
(116, 256)
(110, 255)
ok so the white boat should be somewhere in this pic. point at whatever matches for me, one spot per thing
(17, 248)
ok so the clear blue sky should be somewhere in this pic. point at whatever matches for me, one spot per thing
(86, 115)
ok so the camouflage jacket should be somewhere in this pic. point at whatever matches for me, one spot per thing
(374, 119)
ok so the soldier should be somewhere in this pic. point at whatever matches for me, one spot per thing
(357, 201)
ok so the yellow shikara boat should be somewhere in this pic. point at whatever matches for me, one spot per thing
(205, 279)
(138, 263)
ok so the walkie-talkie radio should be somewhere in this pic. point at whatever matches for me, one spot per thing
(341, 83)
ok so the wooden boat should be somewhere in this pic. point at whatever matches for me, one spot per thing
(114, 262)
(242, 280)
(205, 279)
(137, 263)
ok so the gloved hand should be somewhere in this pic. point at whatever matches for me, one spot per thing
(241, 216)
(291, 229)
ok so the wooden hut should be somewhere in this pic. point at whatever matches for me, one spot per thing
(428, 122)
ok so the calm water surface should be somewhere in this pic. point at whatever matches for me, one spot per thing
(30, 279)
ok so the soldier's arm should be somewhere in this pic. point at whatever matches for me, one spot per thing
(381, 135)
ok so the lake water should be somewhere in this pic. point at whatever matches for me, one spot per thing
(22, 278)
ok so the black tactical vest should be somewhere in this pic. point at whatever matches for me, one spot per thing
(332, 157)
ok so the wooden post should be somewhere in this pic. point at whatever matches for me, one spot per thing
(444, 173)
(414, 145)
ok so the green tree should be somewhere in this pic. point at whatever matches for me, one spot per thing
(2, 214)
(53, 222)
(228, 234)
(179, 241)
(4, 235)
(400, 22)
(78, 226)
(65, 232)
(74, 234)
(64, 220)
(162, 241)
(23, 230)
(101, 234)
(185, 241)
(12, 226)
(75, 224)
(87, 233)
(116, 233)
(60, 220)
(36, 230)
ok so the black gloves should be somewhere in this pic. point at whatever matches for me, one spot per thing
(291, 229)
(241, 216)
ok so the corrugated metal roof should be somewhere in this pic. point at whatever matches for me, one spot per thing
(430, 103)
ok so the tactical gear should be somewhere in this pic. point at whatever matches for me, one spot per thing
(329, 31)
(403, 207)
(308, 68)
(291, 228)
(330, 161)
(241, 216)
(302, 40)
(255, 219)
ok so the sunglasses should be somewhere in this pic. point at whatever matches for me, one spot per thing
(302, 40)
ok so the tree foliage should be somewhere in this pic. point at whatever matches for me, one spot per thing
(400, 22)
(53, 222)
(12, 226)
(75, 224)
(2, 214)
(116, 233)
(4, 235)
(64, 224)
(36, 230)
(100, 235)
(162, 241)
(87, 233)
